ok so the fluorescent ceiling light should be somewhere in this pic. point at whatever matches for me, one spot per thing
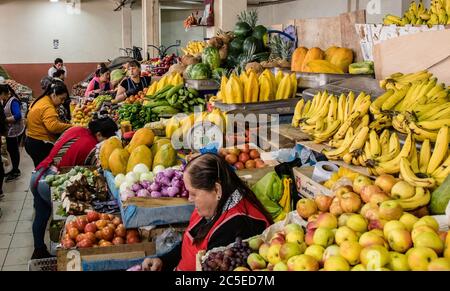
(54, 0)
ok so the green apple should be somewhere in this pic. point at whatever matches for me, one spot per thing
(390, 225)
(281, 266)
(390, 210)
(302, 263)
(400, 240)
(306, 207)
(330, 251)
(345, 233)
(350, 250)
(398, 262)
(350, 202)
(327, 220)
(439, 264)
(255, 243)
(290, 249)
(374, 257)
(323, 237)
(315, 251)
(429, 240)
(386, 182)
(256, 262)
(295, 237)
(427, 220)
(336, 263)
(291, 227)
(342, 220)
(420, 257)
(264, 250)
(378, 232)
(357, 223)
(368, 239)
(408, 220)
(359, 267)
(402, 190)
(273, 255)
(360, 182)
(420, 229)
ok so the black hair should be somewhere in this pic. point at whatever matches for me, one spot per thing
(207, 170)
(58, 73)
(58, 60)
(101, 71)
(57, 87)
(134, 63)
(5, 88)
(106, 126)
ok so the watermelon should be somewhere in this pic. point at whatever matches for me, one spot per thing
(249, 41)
(242, 29)
(232, 60)
(236, 46)
(211, 57)
(200, 72)
(260, 32)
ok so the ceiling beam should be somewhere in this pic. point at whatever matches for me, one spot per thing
(268, 3)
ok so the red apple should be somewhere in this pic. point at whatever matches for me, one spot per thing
(323, 202)
(368, 191)
(360, 182)
(386, 182)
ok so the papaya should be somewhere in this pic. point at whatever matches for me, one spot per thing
(322, 66)
(342, 58)
(107, 148)
(329, 53)
(118, 161)
(166, 156)
(313, 54)
(140, 155)
(143, 136)
(158, 144)
(297, 59)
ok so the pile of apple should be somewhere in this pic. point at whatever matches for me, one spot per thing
(97, 230)
(243, 158)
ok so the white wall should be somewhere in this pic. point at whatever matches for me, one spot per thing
(172, 28)
(29, 28)
(301, 9)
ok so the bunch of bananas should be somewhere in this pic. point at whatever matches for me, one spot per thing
(194, 48)
(174, 79)
(328, 116)
(417, 14)
(249, 88)
(414, 103)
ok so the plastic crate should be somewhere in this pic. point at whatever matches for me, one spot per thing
(43, 265)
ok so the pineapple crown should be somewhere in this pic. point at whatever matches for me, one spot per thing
(249, 17)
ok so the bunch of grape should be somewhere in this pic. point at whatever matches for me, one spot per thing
(229, 259)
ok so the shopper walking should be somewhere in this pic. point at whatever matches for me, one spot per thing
(43, 124)
(225, 208)
(58, 65)
(76, 147)
(15, 127)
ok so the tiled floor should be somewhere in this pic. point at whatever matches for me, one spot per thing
(16, 239)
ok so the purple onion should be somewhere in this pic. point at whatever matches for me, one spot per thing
(185, 194)
(136, 187)
(164, 192)
(155, 187)
(155, 194)
(145, 184)
(165, 181)
(169, 173)
(173, 191)
(143, 193)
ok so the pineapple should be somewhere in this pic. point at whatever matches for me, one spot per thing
(280, 51)
(250, 17)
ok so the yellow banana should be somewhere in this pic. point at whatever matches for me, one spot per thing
(384, 142)
(424, 156)
(375, 146)
(346, 125)
(414, 159)
(421, 198)
(395, 98)
(375, 107)
(409, 176)
(298, 113)
(439, 151)
(393, 166)
(421, 134)
(336, 153)
(341, 108)
(359, 140)
(294, 85)
(328, 132)
(363, 123)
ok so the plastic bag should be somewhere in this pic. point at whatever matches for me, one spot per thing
(269, 191)
(165, 242)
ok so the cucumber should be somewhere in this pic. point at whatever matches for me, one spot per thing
(162, 110)
(172, 91)
(193, 92)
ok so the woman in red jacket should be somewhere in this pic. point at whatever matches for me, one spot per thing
(225, 208)
(76, 147)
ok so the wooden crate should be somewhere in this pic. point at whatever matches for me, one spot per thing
(148, 202)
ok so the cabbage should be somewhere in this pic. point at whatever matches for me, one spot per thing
(131, 178)
(127, 194)
(140, 169)
(147, 177)
(119, 179)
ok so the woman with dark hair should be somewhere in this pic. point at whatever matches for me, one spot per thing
(16, 126)
(76, 147)
(225, 208)
(43, 123)
(100, 82)
(133, 84)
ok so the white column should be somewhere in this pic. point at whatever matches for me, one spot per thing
(225, 15)
(150, 26)
(127, 33)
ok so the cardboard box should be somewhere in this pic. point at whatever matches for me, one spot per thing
(306, 186)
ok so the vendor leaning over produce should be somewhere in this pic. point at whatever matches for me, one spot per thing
(133, 84)
(16, 126)
(43, 123)
(225, 208)
(100, 83)
(76, 147)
